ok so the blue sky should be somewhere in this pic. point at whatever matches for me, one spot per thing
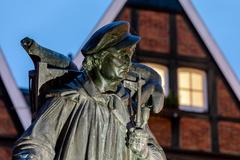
(63, 25)
(223, 22)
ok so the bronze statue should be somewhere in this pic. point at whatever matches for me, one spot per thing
(97, 113)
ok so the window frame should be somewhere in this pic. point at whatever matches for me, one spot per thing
(192, 108)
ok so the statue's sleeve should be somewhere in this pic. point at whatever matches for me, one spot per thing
(39, 140)
(155, 150)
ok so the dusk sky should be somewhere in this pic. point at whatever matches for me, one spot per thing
(63, 25)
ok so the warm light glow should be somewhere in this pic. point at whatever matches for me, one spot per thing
(184, 80)
(163, 72)
(184, 97)
(197, 99)
(191, 88)
(197, 81)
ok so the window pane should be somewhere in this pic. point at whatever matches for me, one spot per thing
(197, 81)
(184, 78)
(192, 89)
(197, 99)
(184, 98)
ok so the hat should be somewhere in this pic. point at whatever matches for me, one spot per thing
(113, 34)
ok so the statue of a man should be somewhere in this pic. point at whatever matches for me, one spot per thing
(88, 118)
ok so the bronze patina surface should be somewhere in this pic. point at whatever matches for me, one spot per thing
(97, 113)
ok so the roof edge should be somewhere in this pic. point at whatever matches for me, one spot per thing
(212, 46)
(15, 95)
(116, 6)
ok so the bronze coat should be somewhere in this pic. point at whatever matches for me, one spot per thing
(80, 123)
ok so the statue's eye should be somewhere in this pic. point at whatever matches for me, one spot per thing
(125, 57)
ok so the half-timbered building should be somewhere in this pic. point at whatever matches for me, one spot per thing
(201, 117)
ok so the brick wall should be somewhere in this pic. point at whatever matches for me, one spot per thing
(227, 107)
(5, 153)
(154, 30)
(195, 134)
(188, 44)
(229, 141)
(161, 128)
(124, 15)
(6, 125)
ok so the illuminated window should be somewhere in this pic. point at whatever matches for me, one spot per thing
(163, 72)
(192, 93)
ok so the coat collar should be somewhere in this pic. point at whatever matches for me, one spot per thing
(92, 90)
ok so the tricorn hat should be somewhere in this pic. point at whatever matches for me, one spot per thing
(114, 34)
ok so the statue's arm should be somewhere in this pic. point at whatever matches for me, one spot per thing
(39, 140)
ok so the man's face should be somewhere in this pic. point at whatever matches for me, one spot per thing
(116, 63)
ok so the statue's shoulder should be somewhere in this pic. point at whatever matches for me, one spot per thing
(73, 88)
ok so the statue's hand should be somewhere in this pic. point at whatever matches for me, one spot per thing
(138, 140)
